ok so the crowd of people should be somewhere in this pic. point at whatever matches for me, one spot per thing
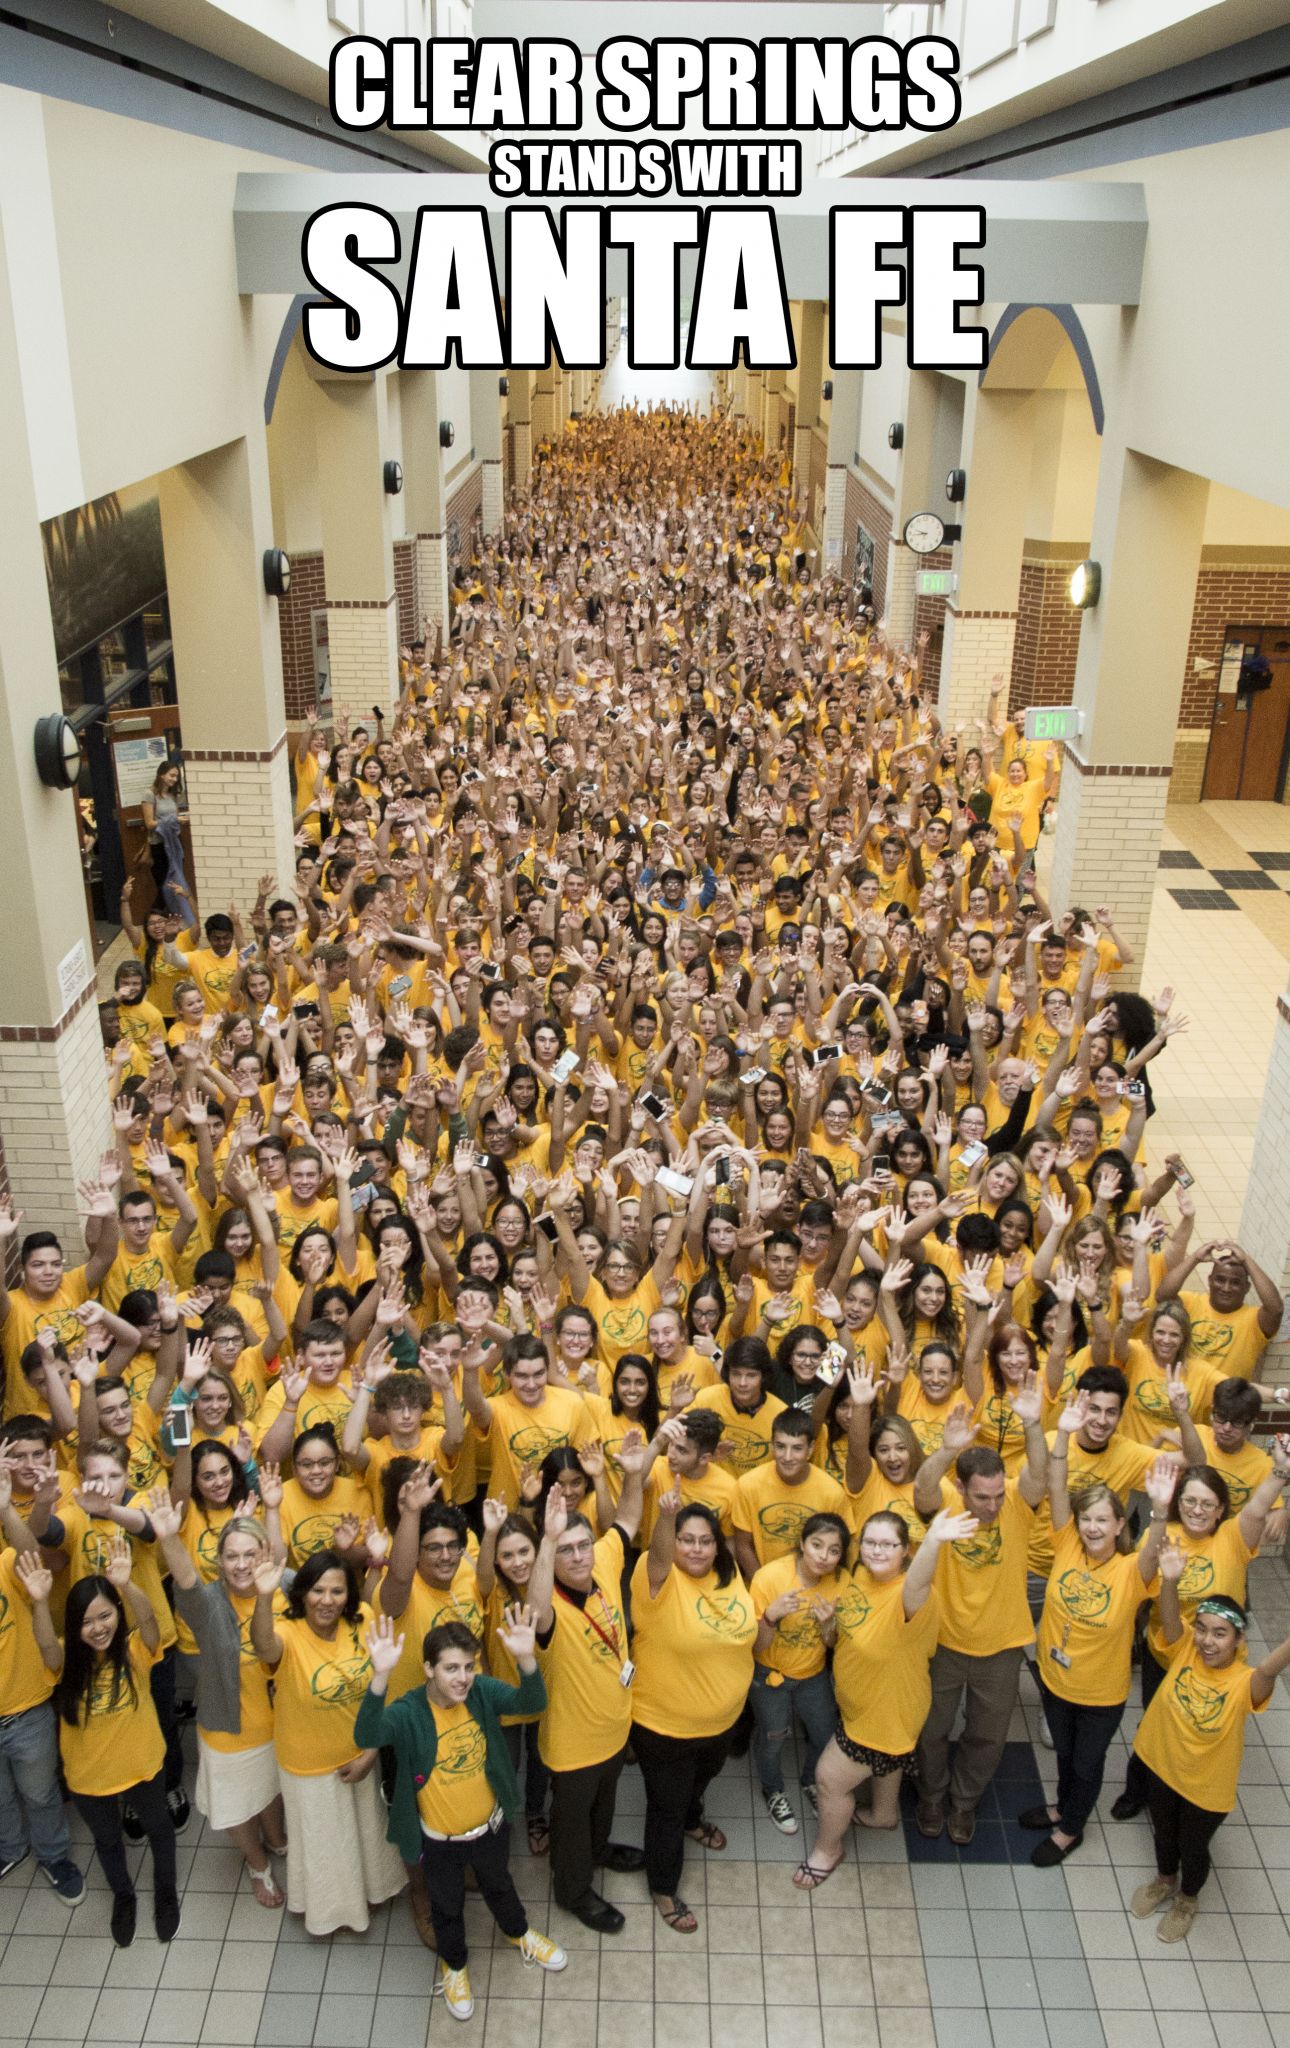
(643, 1244)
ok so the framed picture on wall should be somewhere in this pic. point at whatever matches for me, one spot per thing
(862, 568)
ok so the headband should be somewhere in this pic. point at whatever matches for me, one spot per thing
(1223, 1611)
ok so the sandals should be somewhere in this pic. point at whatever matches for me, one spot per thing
(808, 1877)
(681, 1920)
(539, 1828)
(264, 1888)
(708, 1833)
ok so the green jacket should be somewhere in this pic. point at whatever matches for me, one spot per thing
(408, 1727)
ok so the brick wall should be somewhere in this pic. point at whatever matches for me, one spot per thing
(405, 590)
(929, 616)
(1046, 647)
(307, 594)
(1227, 595)
(865, 510)
(465, 504)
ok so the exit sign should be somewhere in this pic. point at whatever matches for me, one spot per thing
(935, 582)
(1054, 722)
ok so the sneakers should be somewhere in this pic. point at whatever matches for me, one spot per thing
(66, 1880)
(1149, 1898)
(1044, 1732)
(131, 1826)
(125, 1912)
(540, 1949)
(1176, 1925)
(165, 1915)
(453, 1986)
(781, 1812)
(178, 1808)
(13, 1863)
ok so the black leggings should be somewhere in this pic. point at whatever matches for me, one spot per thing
(1183, 1834)
(103, 1819)
(1153, 1677)
(677, 1772)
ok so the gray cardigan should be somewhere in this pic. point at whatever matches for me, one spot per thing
(209, 1613)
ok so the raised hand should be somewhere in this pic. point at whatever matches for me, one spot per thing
(518, 1634)
(37, 1579)
(119, 1562)
(1160, 1483)
(949, 1527)
(383, 1646)
(1075, 1414)
(165, 1517)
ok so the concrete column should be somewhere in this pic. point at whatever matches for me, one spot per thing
(844, 422)
(521, 419)
(810, 373)
(216, 522)
(913, 484)
(755, 403)
(54, 1117)
(544, 402)
(1265, 1219)
(424, 495)
(981, 618)
(1147, 534)
(358, 546)
(486, 436)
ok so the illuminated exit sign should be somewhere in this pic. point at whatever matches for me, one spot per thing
(1054, 722)
(935, 582)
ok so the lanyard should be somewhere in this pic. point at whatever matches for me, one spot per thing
(609, 1637)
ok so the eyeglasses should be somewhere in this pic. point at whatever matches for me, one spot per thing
(880, 1543)
(575, 1549)
(442, 1549)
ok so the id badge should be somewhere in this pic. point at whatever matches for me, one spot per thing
(627, 1673)
(1060, 1657)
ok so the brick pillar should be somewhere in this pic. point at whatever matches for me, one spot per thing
(55, 1116)
(1109, 821)
(902, 567)
(352, 433)
(363, 640)
(977, 647)
(430, 578)
(241, 819)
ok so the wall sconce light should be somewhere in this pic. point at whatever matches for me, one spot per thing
(956, 486)
(896, 434)
(503, 387)
(276, 567)
(392, 478)
(1086, 585)
(826, 389)
(447, 433)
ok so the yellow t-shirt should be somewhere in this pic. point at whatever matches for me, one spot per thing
(797, 1649)
(521, 1436)
(1215, 1564)
(774, 1514)
(382, 1451)
(1243, 1470)
(713, 1489)
(624, 1325)
(881, 1496)
(746, 1437)
(27, 1318)
(25, 1678)
(456, 1796)
(309, 1525)
(1233, 1344)
(318, 1689)
(1147, 1411)
(982, 1580)
(156, 1265)
(88, 1542)
(588, 1714)
(1121, 1465)
(881, 1664)
(1193, 1733)
(927, 1418)
(427, 1606)
(117, 1742)
(1088, 1618)
(693, 1645)
(319, 1404)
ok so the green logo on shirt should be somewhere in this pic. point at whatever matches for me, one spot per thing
(1084, 1596)
(1199, 1703)
(724, 1613)
(983, 1550)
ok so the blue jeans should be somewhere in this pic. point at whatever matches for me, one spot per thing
(773, 1709)
(31, 1803)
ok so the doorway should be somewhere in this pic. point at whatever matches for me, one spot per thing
(1248, 739)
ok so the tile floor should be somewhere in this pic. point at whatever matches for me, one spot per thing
(909, 1945)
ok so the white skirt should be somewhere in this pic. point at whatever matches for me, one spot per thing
(339, 1863)
(234, 1786)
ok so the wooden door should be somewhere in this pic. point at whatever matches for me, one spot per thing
(140, 740)
(1247, 746)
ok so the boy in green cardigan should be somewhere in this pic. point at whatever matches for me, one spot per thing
(455, 1793)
